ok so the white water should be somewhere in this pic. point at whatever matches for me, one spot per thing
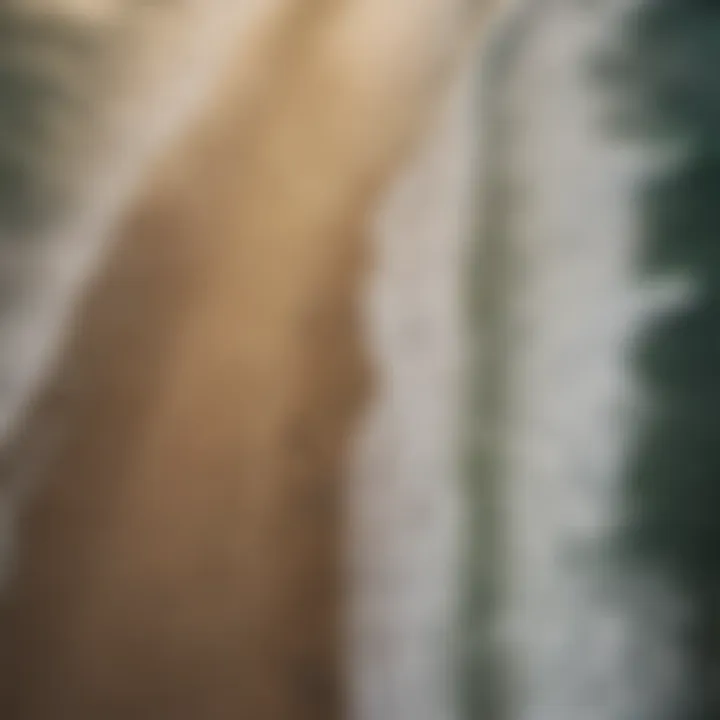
(404, 499)
(588, 642)
(587, 639)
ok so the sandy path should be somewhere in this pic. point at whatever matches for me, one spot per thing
(185, 558)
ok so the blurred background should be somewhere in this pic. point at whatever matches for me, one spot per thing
(374, 376)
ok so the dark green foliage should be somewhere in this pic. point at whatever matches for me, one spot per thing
(671, 75)
(669, 72)
(47, 69)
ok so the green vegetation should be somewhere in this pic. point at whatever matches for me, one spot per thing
(672, 84)
(48, 67)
